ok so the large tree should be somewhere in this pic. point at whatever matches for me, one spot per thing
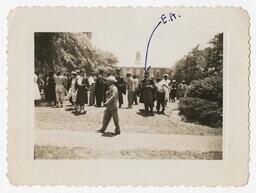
(190, 67)
(198, 64)
(70, 51)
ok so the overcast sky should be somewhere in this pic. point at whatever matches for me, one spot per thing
(170, 42)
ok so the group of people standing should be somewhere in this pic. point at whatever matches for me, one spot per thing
(77, 85)
(162, 90)
(108, 91)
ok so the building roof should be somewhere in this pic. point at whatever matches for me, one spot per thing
(141, 67)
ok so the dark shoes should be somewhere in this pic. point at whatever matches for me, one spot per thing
(100, 131)
(117, 132)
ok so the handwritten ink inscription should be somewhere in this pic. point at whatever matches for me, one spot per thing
(165, 18)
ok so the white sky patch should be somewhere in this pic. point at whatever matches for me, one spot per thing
(170, 42)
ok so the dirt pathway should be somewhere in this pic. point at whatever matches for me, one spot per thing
(128, 141)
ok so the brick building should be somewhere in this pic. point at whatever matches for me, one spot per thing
(139, 71)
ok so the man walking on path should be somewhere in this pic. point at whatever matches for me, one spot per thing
(111, 106)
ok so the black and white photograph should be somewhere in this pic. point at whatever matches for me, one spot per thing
(128, 96)
(95, 99)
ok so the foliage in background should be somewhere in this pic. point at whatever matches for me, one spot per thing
(203, 69)
(70, 51)
(204, 111)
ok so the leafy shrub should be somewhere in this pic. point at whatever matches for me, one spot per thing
(204, 111)
(209, 88)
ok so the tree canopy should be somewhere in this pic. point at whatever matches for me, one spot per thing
(70, 51)
(198, 64)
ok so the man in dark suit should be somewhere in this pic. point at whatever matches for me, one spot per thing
(99, 89)
(121, 86)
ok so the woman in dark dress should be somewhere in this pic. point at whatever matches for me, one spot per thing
(50, 90)
(147, 93)
(99, 90)
(82, 85)
(173, 91)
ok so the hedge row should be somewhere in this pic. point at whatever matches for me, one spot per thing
(209, 88)
(204, 111)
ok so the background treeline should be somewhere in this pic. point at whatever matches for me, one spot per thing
(203, 70)
(69, 51)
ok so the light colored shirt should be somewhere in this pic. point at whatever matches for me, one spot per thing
(166, 82)
(160, 87)
(79, 80)
(166, 87)
(73, 84)
(130, 84)
(136, 83)
(91, 80)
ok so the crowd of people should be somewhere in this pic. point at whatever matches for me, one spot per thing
(80, 89)
(98, 90)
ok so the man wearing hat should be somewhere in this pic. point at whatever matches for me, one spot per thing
(111, 105)
(120, 84)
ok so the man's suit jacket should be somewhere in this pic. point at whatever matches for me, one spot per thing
(112, 98)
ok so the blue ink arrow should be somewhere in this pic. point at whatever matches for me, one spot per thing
(146, 57)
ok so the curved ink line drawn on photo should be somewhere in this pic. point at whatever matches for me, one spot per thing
(172, 17)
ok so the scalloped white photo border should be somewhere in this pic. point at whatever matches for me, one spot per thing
(24, 170)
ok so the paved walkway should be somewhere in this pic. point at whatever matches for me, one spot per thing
(127, 141)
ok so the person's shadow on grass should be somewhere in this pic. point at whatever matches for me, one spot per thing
(144, 113)
(162, 113)
(69, 109)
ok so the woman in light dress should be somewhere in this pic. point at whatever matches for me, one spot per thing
(59, 89)
(72, 90)
(37, 95)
